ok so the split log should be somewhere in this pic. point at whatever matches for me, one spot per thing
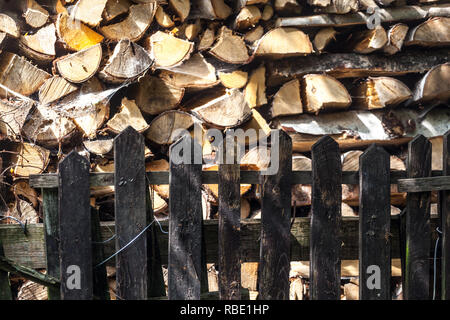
(195, 72)
(347, 211)
(267, 12)
(22, 189)
(41, 45)
(226, 111)
(115, 8)
(23, 211)
(323, 38)
(396, 36)
(255, 91)
(283, 42)
(322, 92)
(164, 129)
(210, 9)
(79, 66)
(9, 26)
(341, 6)
(32, 291)
(206, 40)
(233, 80)
(191, 30)
(434, 32)
(128, 115)
(168, 50)
(230, 48)
(133, 28)
(154, 96)
(19, 76)
(181, 7)
(254, 35)
(29, 159)
(248, 17)
(380, 92)
(13, 114)
(288, 7)
(351, 291)
(296, 289)
(127, 62)
(434, 86)
(159, 165)
(369, 40)
(287, 100)
(90, 11)
(259, 125)
(301, 193)
(100, 147)
(163, 18)
(35, 15)
(54, 89)
(319, 3)
(75, 35)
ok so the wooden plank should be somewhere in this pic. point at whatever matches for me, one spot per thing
(229, 224)
(374, 225)
(51, 227)
(5, 288)
(75, 244)
(101, 288)
(50, 180)
(417, 261)
(130, 215)
(185, 225)
(424, 184)
(445, 218)
(275, 223)
(326, 200)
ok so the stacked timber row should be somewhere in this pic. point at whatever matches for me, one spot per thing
(75, 73)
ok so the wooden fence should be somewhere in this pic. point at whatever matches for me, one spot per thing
(75, 246)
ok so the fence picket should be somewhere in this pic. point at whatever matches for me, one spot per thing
(185, 224)
(325, 243)
(445, 215)
(5, 288)
(374, 225)
(417, 257)
(229, 225)
(130, 215)
(275, 225)
(101, 288)
(75, 242)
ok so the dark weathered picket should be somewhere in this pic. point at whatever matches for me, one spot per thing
(417, 229)
(445, 216)
(75, 244)
(5, 288)
(185, 225)
(130, 215)
(325, 243)
(374, 225)
(229, 224)
(101, 288)
(275, 224)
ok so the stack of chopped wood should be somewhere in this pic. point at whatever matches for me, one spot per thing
(75, 73)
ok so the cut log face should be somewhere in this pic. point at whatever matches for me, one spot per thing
(206, 40)
(233, 80)
(54, 89)
(226, 111)
(323, 38)
(195, 72)
(19, 75)
(75, 35)
(255, 91)
(369, 40)
(168, 50)
(154, 95)
(380, 92)
(100, 147)
(80, 66)
(322, 92)
(434, 32)
(301, 194)
(135, 24)
(248, 17)
(13, 114)
(128, 61)
(30, 159)
(163, 18)
(288, 7)
(164, 129)
(115, 8)
(159, 165)
(23, 189)
(342, 6)
(267, 12)
(287, 100)
(230, 48)
(9, 26)
(35, 15)
(254, 34)
(210, 9)
(221, 10)
(396, 36)
(90, 11)
(434, 86)
(41, 45)
(129, 115)
(283, 42)
(259, 124)
(181, 7)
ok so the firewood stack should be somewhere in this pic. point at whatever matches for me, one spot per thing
(75, 73)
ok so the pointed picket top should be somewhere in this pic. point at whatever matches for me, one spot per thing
(419, 155)
(325, 143)
(372, 153)
(73, 158)
(129, 133)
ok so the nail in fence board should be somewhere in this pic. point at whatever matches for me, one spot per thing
(51, 227)
(130, 215)
(325, 243)
(275, 224)
(75, 228)
(229, 225)
(185, 225)
(417, 229)
(445, 213)
(374, 225)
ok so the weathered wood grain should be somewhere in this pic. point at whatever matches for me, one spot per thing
(5, 288)
(374, 225)
(445, 218)
(424, 184)
(101, 288)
